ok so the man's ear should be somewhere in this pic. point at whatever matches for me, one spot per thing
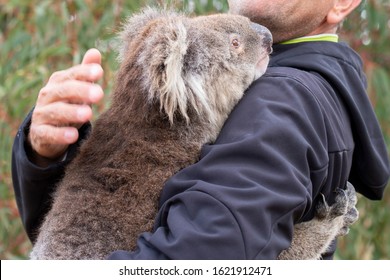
(340, 10)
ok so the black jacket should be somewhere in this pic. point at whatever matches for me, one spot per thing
(304, 128)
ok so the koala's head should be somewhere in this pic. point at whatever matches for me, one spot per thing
(194, 67)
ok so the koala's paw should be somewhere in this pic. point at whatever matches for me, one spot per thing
(344, 207)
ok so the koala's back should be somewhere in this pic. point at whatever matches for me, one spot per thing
(110, 192)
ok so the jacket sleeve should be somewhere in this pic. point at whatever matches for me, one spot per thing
(32, 184)
(241, 200)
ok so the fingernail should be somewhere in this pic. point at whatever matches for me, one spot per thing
(70, 134)
(82, 114)
(95, 71)
(95, 94)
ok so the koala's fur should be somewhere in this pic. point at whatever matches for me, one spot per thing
(179, 79)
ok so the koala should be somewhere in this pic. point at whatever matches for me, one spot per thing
(170, 98)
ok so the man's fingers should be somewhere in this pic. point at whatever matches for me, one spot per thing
(92, 56)
(54, 127)
(83, 72)
(63, 106)
(50, 141)
(71, 91)
(46, 135)
(62, 114)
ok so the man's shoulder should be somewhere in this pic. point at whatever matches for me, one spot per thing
(291, 91)
(289, 82)
(289, 74)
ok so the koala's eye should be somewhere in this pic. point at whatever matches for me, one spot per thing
(236, 43)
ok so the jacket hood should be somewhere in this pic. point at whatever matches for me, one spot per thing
(342, 68)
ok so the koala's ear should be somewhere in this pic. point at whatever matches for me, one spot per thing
(168, 76)
(161, 49)
(162, 62)
(135, 25)
(166, 67)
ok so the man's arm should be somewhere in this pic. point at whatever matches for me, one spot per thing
(243, 197)
(50, 135)
(33, 184)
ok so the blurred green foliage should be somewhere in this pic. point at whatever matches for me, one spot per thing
(40, 37)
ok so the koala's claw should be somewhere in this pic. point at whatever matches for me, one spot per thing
(339, 208)
(352, 214)
(344, 207)
(322, 209)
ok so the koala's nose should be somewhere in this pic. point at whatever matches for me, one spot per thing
(265, 34)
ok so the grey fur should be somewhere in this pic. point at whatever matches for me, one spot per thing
(312, 238)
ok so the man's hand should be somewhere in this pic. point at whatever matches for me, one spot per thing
(63, 106)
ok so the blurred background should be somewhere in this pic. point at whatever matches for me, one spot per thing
(39, 37)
